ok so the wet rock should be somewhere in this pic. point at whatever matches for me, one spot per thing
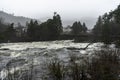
(4, 49)
(73, 48)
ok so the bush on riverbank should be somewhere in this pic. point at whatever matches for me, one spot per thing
(104, 65)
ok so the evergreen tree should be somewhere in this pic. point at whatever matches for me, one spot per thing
(57, 24)
(106, 30)
(31, 30)
(35, 30)
(49, 30)
(116, 14)
(10, 32)
(77, 28)
(84, 28)
(2, 29)
(98, 27)
(74, 28)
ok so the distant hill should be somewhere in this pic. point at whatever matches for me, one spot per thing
(10, 18)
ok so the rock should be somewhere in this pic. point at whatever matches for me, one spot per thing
(4, 49)
(73, 48)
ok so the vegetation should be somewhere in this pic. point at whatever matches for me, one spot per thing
(56, 70)
(78, 28)
(104, 65)
(107, 28)
(49, 30)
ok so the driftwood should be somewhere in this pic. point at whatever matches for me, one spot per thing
(73, 48)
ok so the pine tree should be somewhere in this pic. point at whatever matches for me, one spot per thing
(98, 27)
(10, 32)
(31, 30)
(76, 28)
(84, 28)
(57, 23)
(106, 30)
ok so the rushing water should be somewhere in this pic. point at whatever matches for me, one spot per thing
(20, 55)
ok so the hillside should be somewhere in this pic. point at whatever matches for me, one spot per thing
(10, 18)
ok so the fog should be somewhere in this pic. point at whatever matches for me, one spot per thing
(70, 10)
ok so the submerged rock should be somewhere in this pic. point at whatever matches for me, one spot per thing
(4, 49)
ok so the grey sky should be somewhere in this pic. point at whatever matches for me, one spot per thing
(68, 9)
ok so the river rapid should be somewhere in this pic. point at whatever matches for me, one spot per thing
(20, 56)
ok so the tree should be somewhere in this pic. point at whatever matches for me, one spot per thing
(98, 27)
(2, 29)
(79, 25)
(49, 30)
(76, 28)
(84, 28)
(57, 24)
(106, 30)
(30, 29)
(116, 14)
(10, 32)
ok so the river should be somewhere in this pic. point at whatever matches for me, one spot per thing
(20, 55)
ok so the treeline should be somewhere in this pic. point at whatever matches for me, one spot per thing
(33, 31)
(52, 29)
(49, 30)
(7, 31)
(107, 28)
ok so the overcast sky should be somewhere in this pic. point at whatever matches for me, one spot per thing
(68, 9)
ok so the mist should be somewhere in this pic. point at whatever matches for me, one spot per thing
(69, 10)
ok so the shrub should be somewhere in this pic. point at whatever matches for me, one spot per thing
(56, 70)
(77, 70)
(105, 65)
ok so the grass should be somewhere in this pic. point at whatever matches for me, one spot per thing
(56, 70)
(105, 65)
